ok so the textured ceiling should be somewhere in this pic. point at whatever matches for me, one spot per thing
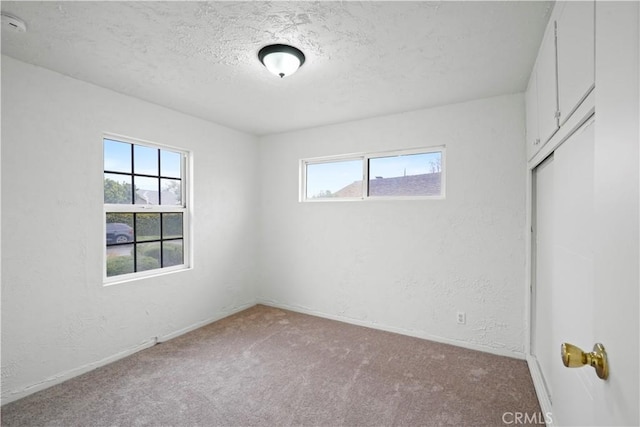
(364, 59)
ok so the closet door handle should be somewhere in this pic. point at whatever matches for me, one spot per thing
(574, 357)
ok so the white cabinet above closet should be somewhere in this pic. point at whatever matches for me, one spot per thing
(531, 109)
(541, 97)
(547, 88)
(576, 54)
(563, 74)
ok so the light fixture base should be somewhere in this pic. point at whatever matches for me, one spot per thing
(13, 23)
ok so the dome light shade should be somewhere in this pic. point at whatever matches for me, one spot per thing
(281, 59)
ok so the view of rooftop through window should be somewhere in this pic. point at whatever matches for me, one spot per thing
(389, 175)
(326, 179)
(406, 175)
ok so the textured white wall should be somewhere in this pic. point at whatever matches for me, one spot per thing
(406, 266)
(57, 318)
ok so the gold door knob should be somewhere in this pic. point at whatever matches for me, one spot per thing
(574, 357)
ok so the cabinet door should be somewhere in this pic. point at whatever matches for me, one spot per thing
(531, 106)
(547, 86)
(576, 55)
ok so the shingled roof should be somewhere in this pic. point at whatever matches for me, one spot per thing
(428, 184)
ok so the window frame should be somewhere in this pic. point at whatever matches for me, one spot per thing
(184, 208)
(365, 158)
(329, 159)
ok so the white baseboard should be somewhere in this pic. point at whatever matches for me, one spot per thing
(401, 331)
(541, 388)
(10, 396)
(193, 327)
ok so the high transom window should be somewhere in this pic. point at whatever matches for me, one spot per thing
(404, 174)
(145, 209)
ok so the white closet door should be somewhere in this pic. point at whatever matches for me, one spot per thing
(564, 275)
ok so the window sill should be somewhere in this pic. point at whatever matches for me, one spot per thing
(133, 277)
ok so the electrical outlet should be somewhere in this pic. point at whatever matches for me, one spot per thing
(461, 316)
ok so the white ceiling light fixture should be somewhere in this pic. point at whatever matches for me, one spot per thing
(281, 59)
(13, 23)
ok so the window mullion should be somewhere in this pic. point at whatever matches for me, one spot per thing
(365, 177)
(135, 243)
(133, 179)
(162, 239)
(159, 180)
(143, 208)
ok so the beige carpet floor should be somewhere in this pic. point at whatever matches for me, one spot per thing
(271, 367)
